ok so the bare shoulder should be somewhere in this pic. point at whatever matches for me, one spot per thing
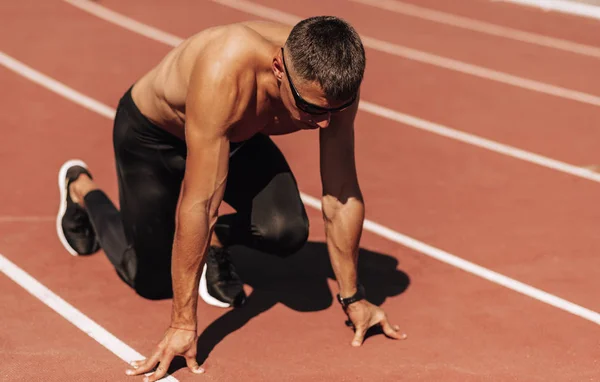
(224, 72)
(243, 43)
(230, 54)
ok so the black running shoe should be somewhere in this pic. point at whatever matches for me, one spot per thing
(220, 284)
(73, 225)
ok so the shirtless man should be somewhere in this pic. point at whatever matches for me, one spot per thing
(194, 132)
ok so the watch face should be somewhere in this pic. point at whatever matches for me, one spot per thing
(341, 301)
(359, 295)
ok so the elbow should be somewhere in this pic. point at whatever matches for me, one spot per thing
(333, 206)
(194, 216)
(330, 207)
(194, 207)
(343, 193)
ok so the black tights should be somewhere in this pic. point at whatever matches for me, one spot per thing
(138, 239)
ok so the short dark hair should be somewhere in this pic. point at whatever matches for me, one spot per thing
(328, 50)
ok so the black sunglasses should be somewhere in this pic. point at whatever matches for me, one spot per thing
(308, 107)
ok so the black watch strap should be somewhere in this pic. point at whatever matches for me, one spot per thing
(359, 295)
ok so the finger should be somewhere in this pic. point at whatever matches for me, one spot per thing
(144, 366)
(193, 365)
(392, 331)
(359, 336)
(161, 370)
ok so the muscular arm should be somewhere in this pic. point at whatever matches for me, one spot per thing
(343, 208)
(219, 91)
(344, 212)
(213, 105)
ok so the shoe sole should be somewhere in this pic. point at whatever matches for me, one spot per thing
(62, 187)
(206, 296)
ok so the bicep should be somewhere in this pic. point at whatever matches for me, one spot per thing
(209, 115)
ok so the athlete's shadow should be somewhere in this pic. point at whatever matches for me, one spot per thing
(300, 283)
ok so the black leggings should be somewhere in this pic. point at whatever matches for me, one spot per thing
(150, 162)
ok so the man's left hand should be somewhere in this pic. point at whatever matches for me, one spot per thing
(365, 315)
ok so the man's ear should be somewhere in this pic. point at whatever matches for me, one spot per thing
(277, 67)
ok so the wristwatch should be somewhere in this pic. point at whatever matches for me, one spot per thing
(359, 295)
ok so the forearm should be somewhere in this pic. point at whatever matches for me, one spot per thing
(190, 243)
(343, 228)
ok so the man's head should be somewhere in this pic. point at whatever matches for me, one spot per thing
(321, 70)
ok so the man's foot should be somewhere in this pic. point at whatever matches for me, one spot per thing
(73, 225)
(220, 284)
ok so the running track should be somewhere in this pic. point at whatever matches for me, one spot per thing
(526, 221)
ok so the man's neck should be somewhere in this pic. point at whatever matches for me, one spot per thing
(268, 88)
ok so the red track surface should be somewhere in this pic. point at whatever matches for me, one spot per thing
(530, 223)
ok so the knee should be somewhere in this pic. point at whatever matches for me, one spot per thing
(286, 236)
(153, 290)
(153, 281)
(152, 293)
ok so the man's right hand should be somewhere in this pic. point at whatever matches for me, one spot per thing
(176, 342)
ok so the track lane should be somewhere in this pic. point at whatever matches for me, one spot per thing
(560, 25)
(538, 234)
(495, 111)
(439, 368)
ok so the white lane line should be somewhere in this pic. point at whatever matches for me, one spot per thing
(126, 22)
(482, 26)
(369, 107)
(55, 86)
(569, 7)
(415, 55)
(474, 140)
(472, 268)
(70, 313)
(370, 226)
